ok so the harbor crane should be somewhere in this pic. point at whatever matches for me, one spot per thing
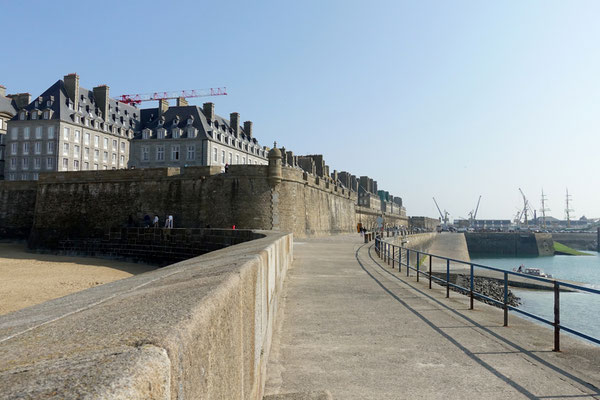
(138, 98)
(473, 215)
(526, 209)
(444, 215)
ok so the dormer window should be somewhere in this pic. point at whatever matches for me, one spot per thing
(46, 115)
(86, 122)
(190, 120)
(161, 121)
(191, 132)
(34, 114)
(175, 133)
(160, 133)
(146, 134)
(48, 103)
(23, 116)
(36, 104)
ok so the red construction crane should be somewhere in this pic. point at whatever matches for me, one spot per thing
(138, 98)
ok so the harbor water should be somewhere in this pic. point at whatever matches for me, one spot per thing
(578, 310)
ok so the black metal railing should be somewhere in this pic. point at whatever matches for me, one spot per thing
(393, 255)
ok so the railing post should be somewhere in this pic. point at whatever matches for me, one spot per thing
(471, 288)
(418, 262)
(393, 255)
(387, 253)
(407, 265)
(430, 262)
(447, 278)
(556, 317)
(506, 299)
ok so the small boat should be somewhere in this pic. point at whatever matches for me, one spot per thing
(531, 271)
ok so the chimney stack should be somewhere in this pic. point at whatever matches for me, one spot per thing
(2, 90)
(234, 120)
(182, 102)
(101, 99)
(21, 100)
(72, 88)
(163, 106)
(248, 128)
(209, 111)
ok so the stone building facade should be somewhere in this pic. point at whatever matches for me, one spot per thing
(7, 112)
(187, 135)
(69, 128)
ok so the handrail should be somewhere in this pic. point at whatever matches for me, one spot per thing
(388, 251)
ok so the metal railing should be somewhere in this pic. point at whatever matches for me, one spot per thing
(393, 255)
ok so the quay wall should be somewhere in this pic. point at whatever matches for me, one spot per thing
(577, 240)
(510, 244)
(197, 329)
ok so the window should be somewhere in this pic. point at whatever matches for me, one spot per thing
(86, 153)
(145, 135)
(37, 163)
(237, 158)
(12, 176)
(145, 154)
(66, 133)
(34, 115)
(26, 133)
(25, 164)
(76, 151)
(14, 133)
(38, 148)
(249, 160)
(50, 148)
(22, 116)
(161, 133)
(175, 133)
(75, 165)
(95, 167)
(114, 145)
(25, 148)
(243, 160)
(230, 158)
(46, 114)
(24, 177)
(77, 136)
(86, 138)
(66, 149)
(114, 158)
(96, 141)
(104, 167)
(106, 143)
(175, 153)
(191, 152)
(13, 163)
(122, 147)
(49, 163)
(50, 132)
(38, 132)
(13, 148)
(105, 156)
(160, 153)
(222, 156)
(122, 161)
(215, 156)
(96, 155)
(86, 166)
(1, 123)
(35, 176)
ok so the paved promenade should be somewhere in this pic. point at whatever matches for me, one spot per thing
(355, 327)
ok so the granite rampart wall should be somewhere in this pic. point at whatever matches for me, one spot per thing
(197, 329)
(17, 204)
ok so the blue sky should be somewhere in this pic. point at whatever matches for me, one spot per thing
(452, 99)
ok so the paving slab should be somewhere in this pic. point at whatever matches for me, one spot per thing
(355, 327)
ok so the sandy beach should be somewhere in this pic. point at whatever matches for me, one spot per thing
(27, 279)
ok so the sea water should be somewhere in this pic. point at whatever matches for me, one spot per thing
(578, 310)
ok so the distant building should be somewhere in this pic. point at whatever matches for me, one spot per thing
(68, 128)
(425, 223)
(187, 135)
(8, 110)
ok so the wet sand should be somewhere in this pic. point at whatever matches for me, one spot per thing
(27, 279)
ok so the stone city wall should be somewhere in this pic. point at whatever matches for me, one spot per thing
(198, 329)
(88, 204)
(17, 205)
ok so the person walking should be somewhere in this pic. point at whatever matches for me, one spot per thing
(155, 221)
(169, 222)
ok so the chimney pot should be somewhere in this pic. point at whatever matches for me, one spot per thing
(101, 98)
(2, 90)
(182, 102)
(234, 120)
(163, 106)
(248, 128)
(209, 111)
(72, 88)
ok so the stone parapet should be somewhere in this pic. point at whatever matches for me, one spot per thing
(198, 329)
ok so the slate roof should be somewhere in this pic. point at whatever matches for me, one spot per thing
(117, 111)
(7, 106)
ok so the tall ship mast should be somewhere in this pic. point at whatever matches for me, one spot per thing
(568, 209)
(544, 209)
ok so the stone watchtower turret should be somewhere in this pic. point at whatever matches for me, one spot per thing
(274, 172)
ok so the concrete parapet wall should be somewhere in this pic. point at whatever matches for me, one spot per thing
(198, 329)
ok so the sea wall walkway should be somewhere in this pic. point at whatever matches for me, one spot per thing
(356, 328)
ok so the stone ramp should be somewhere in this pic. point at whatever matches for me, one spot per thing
(451, 245)
(355, 327)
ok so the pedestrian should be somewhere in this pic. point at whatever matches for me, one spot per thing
(169, 222)
(226, 168)
(155, 221)
(146, 221)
